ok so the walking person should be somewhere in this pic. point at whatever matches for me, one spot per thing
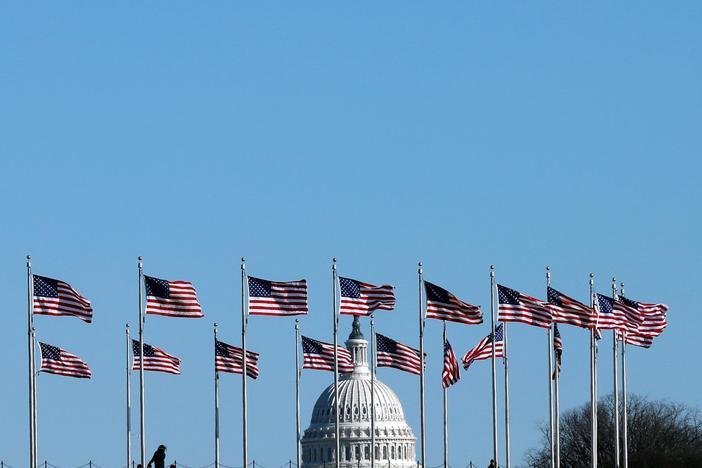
(159, 458)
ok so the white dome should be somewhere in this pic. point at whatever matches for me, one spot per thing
(355, 399)
(394, 439)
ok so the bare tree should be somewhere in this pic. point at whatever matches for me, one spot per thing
(661, 435)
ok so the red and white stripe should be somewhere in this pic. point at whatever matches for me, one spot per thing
(482, 351)
(234, 363)
(159, 362)
(325, 360)
(451, 373)
(287, 298)
(68, 303)
(372, 298)
(181, 303)
(398, 355)
(68, 365)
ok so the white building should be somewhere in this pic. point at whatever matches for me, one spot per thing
(394, 439)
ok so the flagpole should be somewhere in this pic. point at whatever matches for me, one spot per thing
(129, 395)
(495, 452)
(615, 372)
(625, 411)
(244, 400)
(36, 391)
(31, 364)
(505, 360)
(372, 412)
(557, 418)
(445, 414)
(216, 404)
(142, 427)
(550, 378)
(593, 381)
(297, 392)
(421, 373)
(337, 455)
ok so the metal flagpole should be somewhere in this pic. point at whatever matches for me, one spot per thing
(550, 379)
(297, 392)
(244, 401)
(372, 356)
(216, 404)
(505, 360)
(129, 394)
(593, 381)
(625, 411)
(142, 427)
(337, 455)
(421, 374)
(495, 452)
(30, 363)
(615, 372)
(445, 414)
(557, 418)
(36, 406)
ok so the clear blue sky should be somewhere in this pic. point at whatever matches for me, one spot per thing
(460, 134)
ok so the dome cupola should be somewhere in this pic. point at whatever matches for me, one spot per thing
(394, 439)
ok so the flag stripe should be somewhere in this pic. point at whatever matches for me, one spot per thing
(171, 298)
(58, 298)
(391, 353)
(58, 361)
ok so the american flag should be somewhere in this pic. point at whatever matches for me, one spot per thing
(155, 359)
(58, 361)
(652, 316)
(228, 358)
(567, 310)
(277, 298)
(443, 305)
(518, 307)
(54, 297)
(451, 372)
(614, 315)
(636, 339)
(653, 322)
(359, 298)
(319, 355)
(557, 349)
(483, 350)
(391, 353)
(171, 298)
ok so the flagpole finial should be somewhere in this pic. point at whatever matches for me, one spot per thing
(492, 271)
(139, 258)
(548, 267)
(621, 287)
(29, 257)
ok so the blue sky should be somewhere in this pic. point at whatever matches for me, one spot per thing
(462, 134)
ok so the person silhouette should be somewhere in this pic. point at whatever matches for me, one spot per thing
(492, 464)
(159, 458)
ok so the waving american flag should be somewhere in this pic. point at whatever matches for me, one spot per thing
(391, 353)
(518, 307)
(55, 360)
(171, 298)
(443, 305)
(276, 297)
(451, 372)
(155, 359)
(359, 298)
(56, 297)
(483, 350)
(229, 358)
(320, 356)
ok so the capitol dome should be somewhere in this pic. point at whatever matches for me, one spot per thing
(394, 439)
